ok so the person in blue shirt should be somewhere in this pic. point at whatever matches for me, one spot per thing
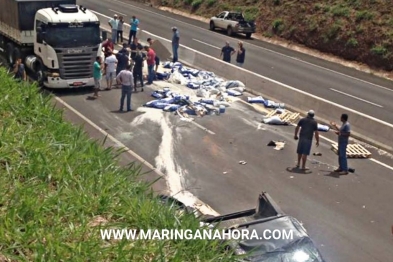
(343, 133)
(226, 52)
(241, 55)
(175, 43)
(134, 22)
(114, 24)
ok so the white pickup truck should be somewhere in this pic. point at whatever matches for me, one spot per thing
(232, 22)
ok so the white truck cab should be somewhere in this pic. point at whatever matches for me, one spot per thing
(57, 40)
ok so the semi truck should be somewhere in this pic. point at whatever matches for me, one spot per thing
(57, 40)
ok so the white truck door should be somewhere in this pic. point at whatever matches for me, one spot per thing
(39, 45)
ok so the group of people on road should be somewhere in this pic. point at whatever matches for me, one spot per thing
(125, 67)
(308, 127)
(117, 28)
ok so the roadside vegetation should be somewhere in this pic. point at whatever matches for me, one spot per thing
(58, 188)
(356, 30)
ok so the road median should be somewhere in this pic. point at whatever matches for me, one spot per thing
(59, 189)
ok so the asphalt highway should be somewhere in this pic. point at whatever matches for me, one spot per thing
(359, 91)
(349, 217)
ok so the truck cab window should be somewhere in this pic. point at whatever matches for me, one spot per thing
(39, 25)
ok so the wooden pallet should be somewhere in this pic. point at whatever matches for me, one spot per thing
(286, 116)
(354, 151)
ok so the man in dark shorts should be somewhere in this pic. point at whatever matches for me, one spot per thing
(308, 127)
(19, 70)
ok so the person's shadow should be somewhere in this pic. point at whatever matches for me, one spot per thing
(298, 170)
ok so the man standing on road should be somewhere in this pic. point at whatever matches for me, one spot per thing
(150, 41)
(110, 70)
(226, 52)
(137, 70)
(134, 29)
(343, 133)
(308, 127)
(175, 43)
(151, 57)
(126, 80)
(241, 55)
(120, 27)
(97, 75)
(114, 23)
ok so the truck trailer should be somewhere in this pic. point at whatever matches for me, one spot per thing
(57, 40)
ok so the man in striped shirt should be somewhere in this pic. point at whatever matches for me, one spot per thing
(126, 80)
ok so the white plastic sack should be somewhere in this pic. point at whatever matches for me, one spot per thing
(202, 93)
(258, 99)
(221, 103)
(234, 83)
(238, 89)
(274, 120)
(233, 92)
(323, 128)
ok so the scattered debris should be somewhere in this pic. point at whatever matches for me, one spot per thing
(317, 154)
(354, 151)
(279, 145)
(291, 177)
(224, 173)
(364, 206)
(242, 162)
(281, 117)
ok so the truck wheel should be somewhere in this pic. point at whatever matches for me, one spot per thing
(212, 27)
(248, 35)
(10, 53)
(39, 74)
(229, 31)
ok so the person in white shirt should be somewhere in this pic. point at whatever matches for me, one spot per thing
(125, 78)
(114, 24)
(110, 70)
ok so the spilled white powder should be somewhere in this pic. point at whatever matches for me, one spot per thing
(165, 160)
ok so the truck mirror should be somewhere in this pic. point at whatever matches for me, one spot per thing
(104, 35)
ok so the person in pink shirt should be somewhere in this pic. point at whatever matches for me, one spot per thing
(151, 61)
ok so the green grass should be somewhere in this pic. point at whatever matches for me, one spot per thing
(55, 182)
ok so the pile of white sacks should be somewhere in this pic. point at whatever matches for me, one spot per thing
(213, 92)
(205, 83)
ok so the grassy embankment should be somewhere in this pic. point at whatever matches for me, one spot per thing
(56, 185)
(356, 30)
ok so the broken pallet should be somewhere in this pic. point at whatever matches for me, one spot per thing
(354, 151)
(286, 116)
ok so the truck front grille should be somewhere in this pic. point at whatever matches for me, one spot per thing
(74, 66)
(77, 66)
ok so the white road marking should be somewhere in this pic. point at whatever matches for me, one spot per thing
(290, 87)
(199, 205)
(358, 98)
(117, 12)
(196, 40)
(345, 108)
(266, 49)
